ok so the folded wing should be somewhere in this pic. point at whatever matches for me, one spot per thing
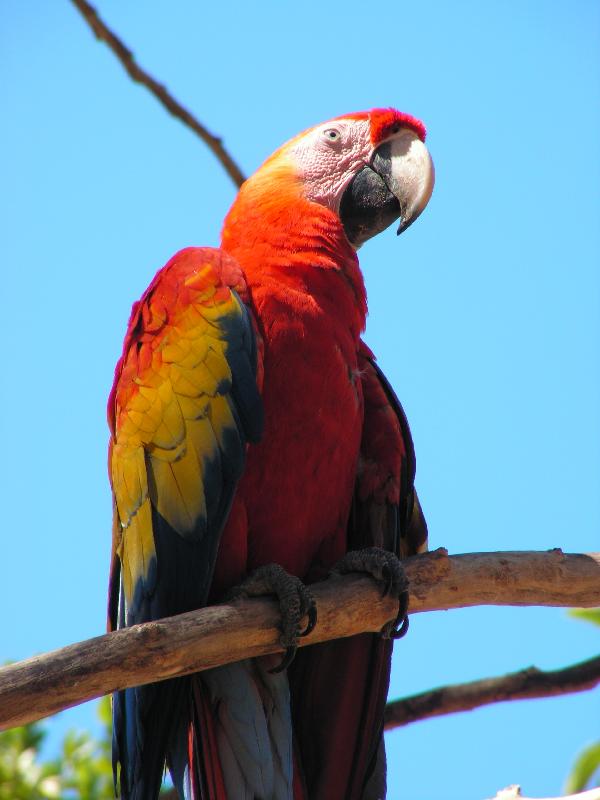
(184, 404)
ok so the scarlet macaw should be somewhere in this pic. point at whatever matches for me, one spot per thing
(250, 425)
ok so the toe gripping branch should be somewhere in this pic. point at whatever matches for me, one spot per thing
(295, 602)
(386, 569)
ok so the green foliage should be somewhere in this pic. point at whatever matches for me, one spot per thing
(585, 768)
(587, 614)
(585, 772)
(82, 771)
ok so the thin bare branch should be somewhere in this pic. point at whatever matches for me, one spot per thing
(126, 57)
(221, 634)
(526, 684)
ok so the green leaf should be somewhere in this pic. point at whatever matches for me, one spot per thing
(585, 767)
(587, 614)
(83, 771)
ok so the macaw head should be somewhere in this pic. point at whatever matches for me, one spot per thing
(370, 168)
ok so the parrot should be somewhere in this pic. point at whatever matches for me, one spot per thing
(256, 448)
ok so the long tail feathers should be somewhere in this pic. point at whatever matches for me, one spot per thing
(143, 721)
(338, 692)
(253, 727)
(227, 734)
(234, 737)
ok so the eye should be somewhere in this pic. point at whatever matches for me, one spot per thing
(332, 135)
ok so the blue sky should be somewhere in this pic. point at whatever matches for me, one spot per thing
(485, 315)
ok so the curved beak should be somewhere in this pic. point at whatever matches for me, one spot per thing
(397, 183)
(406, 167)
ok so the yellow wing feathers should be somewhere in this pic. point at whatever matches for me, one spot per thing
(172, 410)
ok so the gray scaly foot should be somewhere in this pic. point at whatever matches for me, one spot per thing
(295, 602)
(386, 569)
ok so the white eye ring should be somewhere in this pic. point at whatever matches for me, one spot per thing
(332, 135)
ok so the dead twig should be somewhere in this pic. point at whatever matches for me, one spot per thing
(126, 57)
(525, 684)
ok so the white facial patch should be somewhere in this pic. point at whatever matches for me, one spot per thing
(328, 157)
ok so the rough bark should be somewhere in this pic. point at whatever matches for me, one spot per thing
(201, 639)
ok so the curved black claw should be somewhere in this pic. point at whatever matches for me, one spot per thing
(295, 602)
(399, 627)
(311, 613)
(287, 659)
(386, 568)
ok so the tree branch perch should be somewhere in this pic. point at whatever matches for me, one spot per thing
(139, 75)
(198, 640)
